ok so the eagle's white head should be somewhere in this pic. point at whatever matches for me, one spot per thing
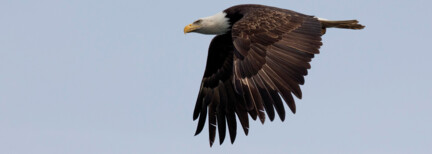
(216, 24)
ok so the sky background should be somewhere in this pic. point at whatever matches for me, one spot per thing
(116, 77)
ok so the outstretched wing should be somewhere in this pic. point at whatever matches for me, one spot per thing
(217, 96)
(273, 48)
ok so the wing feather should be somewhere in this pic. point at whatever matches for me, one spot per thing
(212, 119)
(221, 112)
(266, 97)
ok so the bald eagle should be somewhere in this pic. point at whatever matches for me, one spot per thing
(259, 55)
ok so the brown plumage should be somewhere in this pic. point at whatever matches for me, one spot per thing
(264, 55)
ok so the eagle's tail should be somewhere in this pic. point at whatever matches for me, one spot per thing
(346, 24)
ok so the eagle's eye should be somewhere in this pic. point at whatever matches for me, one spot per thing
(197, 22)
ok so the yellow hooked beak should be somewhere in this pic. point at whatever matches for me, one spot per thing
(190, 28)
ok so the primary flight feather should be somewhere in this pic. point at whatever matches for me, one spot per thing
(259, 54)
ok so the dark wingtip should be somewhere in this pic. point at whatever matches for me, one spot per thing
(271, 118)
(221, 140)
(282, 118)
(261, 116)
(232, 140)
(293, 109)
(298, 93)
(197, 132)
(262, 120)
(195, 116)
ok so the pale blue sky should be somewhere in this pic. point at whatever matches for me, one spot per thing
(116, 77)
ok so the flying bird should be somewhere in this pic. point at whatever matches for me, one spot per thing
(259, 56)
